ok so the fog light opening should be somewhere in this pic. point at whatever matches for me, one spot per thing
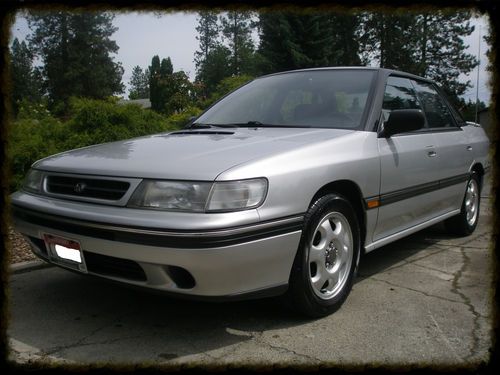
(181, 277)
(38, 245)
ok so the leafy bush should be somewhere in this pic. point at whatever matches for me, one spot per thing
(31, 139)
(36, 133)
(178, 120)
(98, 121)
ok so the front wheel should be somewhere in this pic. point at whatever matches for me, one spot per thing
(324, 267)
(465, 222)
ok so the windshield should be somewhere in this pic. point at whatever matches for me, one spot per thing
(317, 98)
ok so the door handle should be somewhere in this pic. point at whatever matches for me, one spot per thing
(431, 154)
(469, 148)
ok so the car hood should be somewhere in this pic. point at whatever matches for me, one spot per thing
(184, 155)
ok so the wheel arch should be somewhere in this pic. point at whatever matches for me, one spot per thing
(351, 191)
(479, 169)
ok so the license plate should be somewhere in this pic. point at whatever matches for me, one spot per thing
(65, 252)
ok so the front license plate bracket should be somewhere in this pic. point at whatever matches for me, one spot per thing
(65, 252)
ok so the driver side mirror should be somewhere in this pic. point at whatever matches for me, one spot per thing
(402, 121)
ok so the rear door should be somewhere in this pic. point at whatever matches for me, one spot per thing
(410, 169)
(454, 152)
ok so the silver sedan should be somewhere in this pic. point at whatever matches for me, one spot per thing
(278, 188)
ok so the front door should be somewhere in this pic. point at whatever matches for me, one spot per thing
(410, 169)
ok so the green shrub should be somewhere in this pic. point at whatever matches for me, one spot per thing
(36, 133)
(30, 140)
(100, 121)
(178, 120)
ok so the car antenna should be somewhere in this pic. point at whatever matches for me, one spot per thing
(477, 79)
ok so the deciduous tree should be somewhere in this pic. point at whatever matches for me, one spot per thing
(170, 92)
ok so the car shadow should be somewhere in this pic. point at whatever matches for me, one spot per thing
(398, 251)
(67, 314)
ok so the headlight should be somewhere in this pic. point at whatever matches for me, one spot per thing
(33, 181)
(237, 195)
(200, 196)
(171, 195)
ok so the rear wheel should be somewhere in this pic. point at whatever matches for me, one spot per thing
(464, 223)
(324, 267)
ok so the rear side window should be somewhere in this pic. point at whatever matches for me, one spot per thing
(399, 94)
(436, 111)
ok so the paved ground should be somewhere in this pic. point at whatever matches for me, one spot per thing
(424, 300)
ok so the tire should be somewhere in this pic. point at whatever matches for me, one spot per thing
(465, 222)
(322, 275)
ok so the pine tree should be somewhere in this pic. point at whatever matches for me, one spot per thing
(441, 52)
(426, 44)
(24, 78)
(166, 67)
(76, 51)
(154, 77)
(214, 69)
(164, 83)
(277, 42)
(488, 38)
(291, 40)
(139, 84)
(236, 29)
(390, 40)
(208, 34)
(313, 35)
(345, 28)
(212, 58)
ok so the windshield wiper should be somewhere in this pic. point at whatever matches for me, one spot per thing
(247, 124)
(198, 126)
(258, 124)
(255, 123)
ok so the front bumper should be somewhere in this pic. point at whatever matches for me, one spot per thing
(233, 262)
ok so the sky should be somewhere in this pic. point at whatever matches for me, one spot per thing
(141, 35)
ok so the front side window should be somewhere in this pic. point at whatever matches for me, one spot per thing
(399, 94)
(436, 111)
(316, 98)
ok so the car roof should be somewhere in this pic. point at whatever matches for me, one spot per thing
(383, 71)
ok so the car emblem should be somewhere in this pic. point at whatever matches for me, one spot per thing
(79, 187)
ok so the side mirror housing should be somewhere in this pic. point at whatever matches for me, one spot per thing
(402, 121)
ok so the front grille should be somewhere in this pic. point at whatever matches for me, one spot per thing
(115, 267)
(87, 187)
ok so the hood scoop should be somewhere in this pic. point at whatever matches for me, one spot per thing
(202, 132)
